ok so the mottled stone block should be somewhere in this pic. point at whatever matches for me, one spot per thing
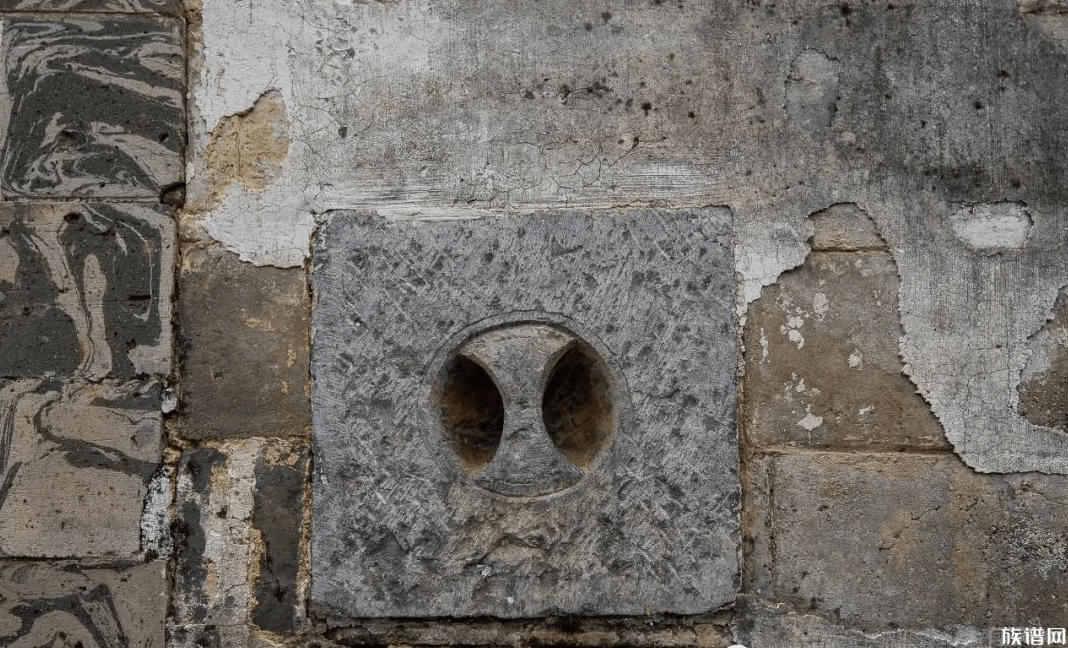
(95, 106)
(67, 604)
(887, 541)
(237, 539)
(524, 415)
(85, 289)
(170, 7)
(76, 460)
(244, 348)
(821, 349)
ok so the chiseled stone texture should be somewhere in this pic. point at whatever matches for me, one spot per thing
(821, 345)
(86, 606)
(401, 525)
(76, 460)
(911, 541)
(244, 347)
(85, 289)
(94, 106)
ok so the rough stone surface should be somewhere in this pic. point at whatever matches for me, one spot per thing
(401, 526)
(91, 606)
(244, 348)
(94, 106)
(76, 462)
(85, 289)
(926, 542)
(822, 366)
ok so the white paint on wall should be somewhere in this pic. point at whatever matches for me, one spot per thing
(992, 226)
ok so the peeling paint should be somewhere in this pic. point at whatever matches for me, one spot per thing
(249, 147)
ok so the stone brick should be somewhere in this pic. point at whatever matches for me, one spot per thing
(885, 541)
(95, 106)
(237, 539)
(278, 516)
(524, 415)
(85, 288)
(170, 7)
(76, 463)
(68, 604)
(821, 363)
(245, 348)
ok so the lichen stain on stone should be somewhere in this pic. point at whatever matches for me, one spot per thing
(1043, 387)
(249, 147)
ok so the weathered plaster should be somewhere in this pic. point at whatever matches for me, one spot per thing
(434, 107)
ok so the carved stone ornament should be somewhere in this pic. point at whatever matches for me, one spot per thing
(520, 416)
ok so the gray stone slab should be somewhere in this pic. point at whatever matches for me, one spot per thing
(244, 341)
(75, 462)
(85, 289)
(96, 106)
(89, 606)
(524, 415)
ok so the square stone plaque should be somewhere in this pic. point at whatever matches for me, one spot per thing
(521, 416)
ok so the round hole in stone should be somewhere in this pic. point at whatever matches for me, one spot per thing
(577, 406)
(472, 413)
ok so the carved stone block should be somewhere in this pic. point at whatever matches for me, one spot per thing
(524, 415)
(94, 106)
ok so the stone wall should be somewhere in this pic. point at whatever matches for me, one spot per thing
(533, 323)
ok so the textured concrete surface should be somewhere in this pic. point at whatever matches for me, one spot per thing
(821, 362)
(76, 463)
(885, 541)
(403, 527)
(91, 606)
(244, 348)
(94, 106)
(85, 288)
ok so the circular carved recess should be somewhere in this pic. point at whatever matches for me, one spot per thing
(577, 405)
(472, 413)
